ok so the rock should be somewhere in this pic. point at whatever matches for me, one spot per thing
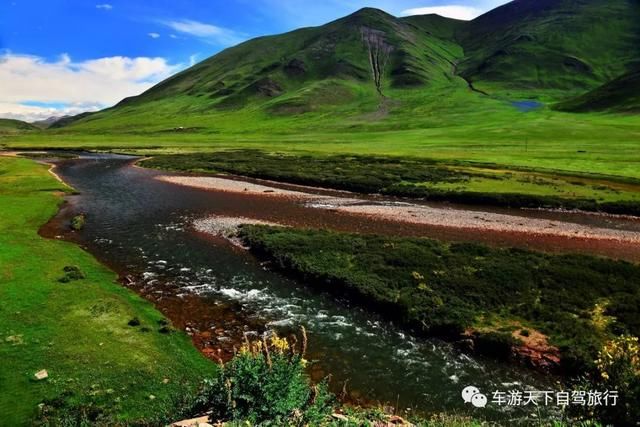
(399, 421)
(194, 422)
(267, 87)
(41, 375)
(152, 397)
(15, 340)
(340, 417)
(295, 67)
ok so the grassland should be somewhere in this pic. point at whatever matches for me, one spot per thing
(448, 289)
(62, 311)
(440, 124)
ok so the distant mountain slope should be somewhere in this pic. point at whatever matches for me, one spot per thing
(436, 25)
(369, 45)
(10, 126)
(619, 95)
(371, 66)
(559, 44)
(44, 124)
(67, 120)
(352, 62)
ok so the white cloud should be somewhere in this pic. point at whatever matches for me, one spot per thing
(207, 32)
(465, 13)
(154, 35)
(32, 113)
(105, 6)
(30, 83)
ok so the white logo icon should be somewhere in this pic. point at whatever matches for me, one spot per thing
(472, 395)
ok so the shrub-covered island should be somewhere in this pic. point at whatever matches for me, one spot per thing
(498, 299)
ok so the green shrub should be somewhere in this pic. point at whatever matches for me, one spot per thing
(618, 369)
(78, 222)
(72, 274)
(266, 384)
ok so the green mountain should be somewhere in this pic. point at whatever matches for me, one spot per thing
(372, 67)
(619, 95)
(368, 46)
(10, 126)
(571, 45)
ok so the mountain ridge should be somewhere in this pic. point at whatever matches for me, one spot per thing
(525, 49)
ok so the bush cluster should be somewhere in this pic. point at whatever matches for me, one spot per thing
(266, 384)
(72, 273)
(78, 222)
(445, 289)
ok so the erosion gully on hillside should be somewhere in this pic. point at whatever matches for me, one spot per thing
(141, 227)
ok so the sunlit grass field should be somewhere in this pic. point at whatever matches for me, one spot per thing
(467, 127)
(78, 331)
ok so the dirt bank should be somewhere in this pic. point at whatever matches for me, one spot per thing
(420, 214)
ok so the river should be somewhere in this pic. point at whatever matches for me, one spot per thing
(139, 226)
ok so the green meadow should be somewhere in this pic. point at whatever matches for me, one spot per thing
(450, 124)
(63, 312)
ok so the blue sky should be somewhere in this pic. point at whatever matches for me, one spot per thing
(67, 56)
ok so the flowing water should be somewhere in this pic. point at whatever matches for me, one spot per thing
(216, 292)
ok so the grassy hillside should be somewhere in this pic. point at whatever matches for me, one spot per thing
(373, 67)
(307, 76)
(77, 330)
(11, 127)
(268, 67)
(567, 45)
(619, 95)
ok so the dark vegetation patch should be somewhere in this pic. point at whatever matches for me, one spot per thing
(394, 176)
(72, 274)
(445, 289)
(48, 155)
(266, 87)
(295, 68)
